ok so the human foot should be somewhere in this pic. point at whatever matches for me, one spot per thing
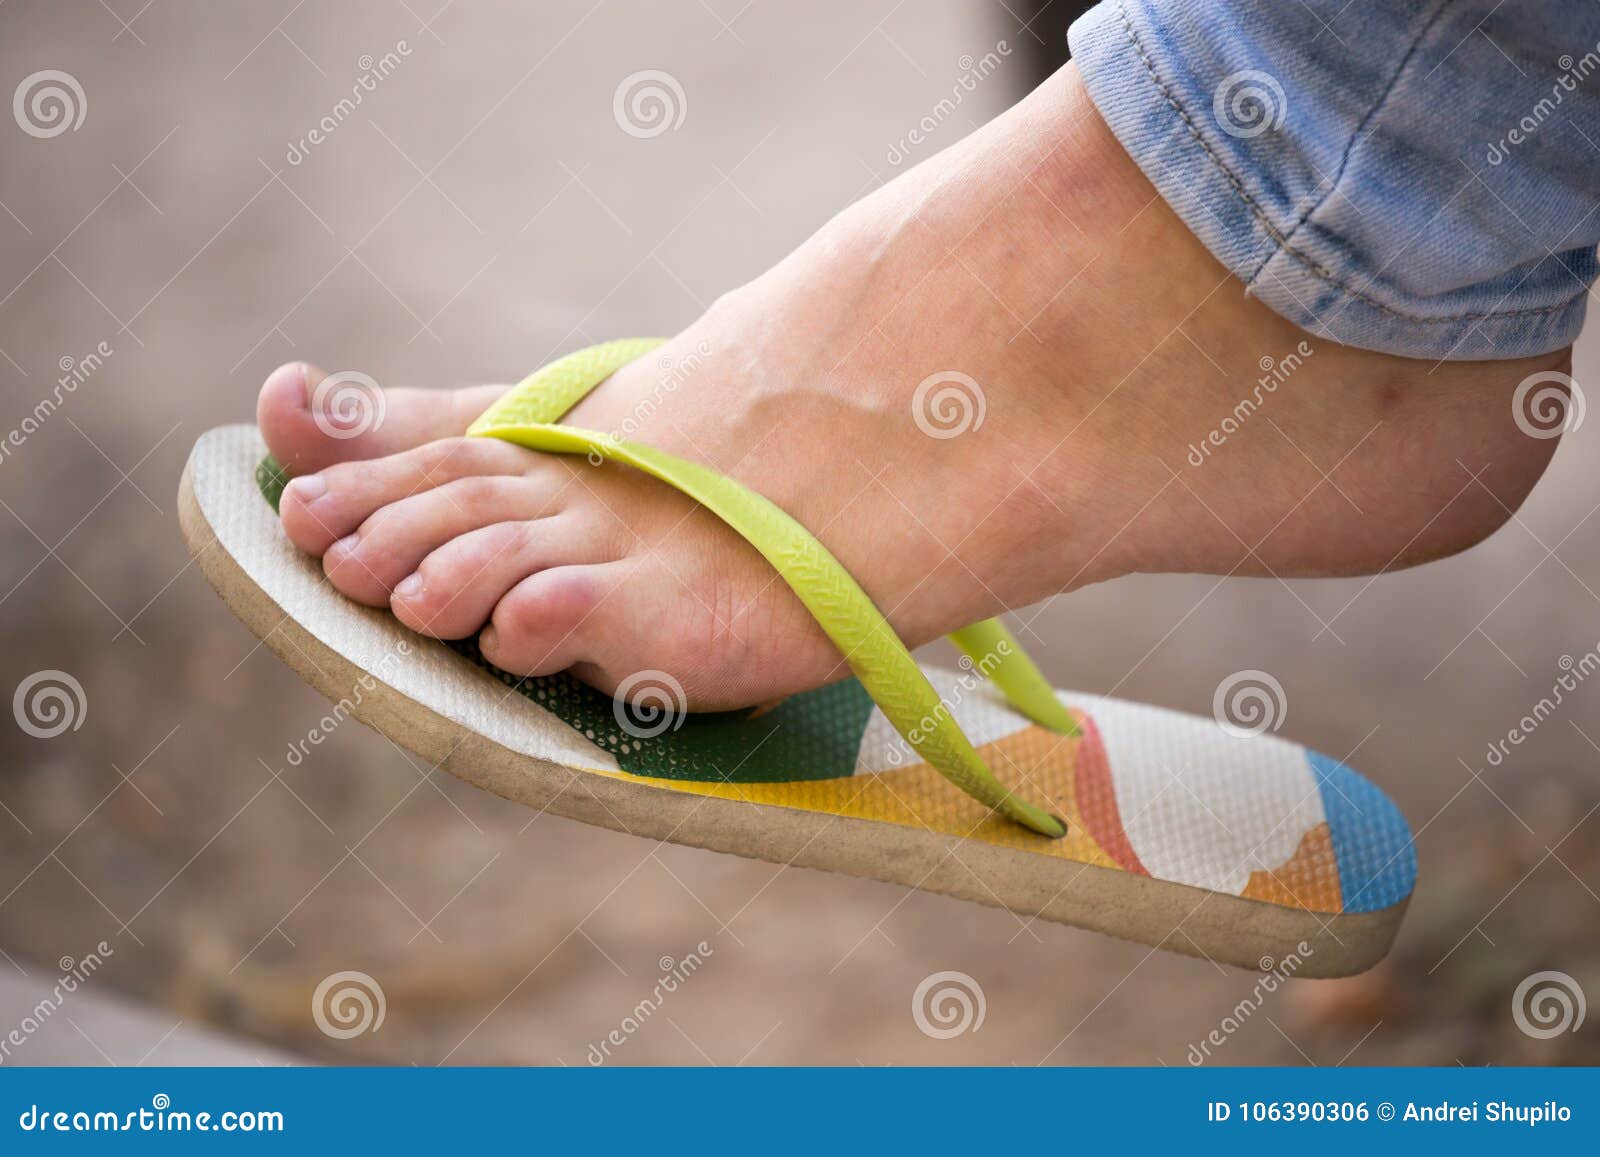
(1128, 409)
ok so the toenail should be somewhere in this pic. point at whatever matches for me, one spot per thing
(488, 638)
(307, 489)
(348, 543)
(409, 588)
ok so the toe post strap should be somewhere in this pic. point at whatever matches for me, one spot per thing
(529, 415)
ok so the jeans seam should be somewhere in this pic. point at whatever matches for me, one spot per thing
(1279, 237)
(1350, 145)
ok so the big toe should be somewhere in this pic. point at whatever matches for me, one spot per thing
(312, 419)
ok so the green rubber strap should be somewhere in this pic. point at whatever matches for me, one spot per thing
(528, 416)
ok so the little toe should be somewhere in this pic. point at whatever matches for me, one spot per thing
(544, 624)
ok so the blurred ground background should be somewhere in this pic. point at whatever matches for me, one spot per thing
(479, 212)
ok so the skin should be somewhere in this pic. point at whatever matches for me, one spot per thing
(1107, 343)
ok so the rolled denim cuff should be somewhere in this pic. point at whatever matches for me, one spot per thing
(1335, 185)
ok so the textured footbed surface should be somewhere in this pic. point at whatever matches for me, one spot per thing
(1143, 790)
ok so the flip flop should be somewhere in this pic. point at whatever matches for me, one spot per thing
(982, 783)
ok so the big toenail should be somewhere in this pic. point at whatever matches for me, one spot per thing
(347, 543)
(410, 587)
(307, 489)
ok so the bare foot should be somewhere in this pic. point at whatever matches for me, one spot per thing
(1007, 374)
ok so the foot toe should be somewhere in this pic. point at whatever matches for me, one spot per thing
(455, 589)
(321, 508)
(311, 419)
(392, 543)
(539, 627)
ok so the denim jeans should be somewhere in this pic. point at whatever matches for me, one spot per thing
(1417, 178)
